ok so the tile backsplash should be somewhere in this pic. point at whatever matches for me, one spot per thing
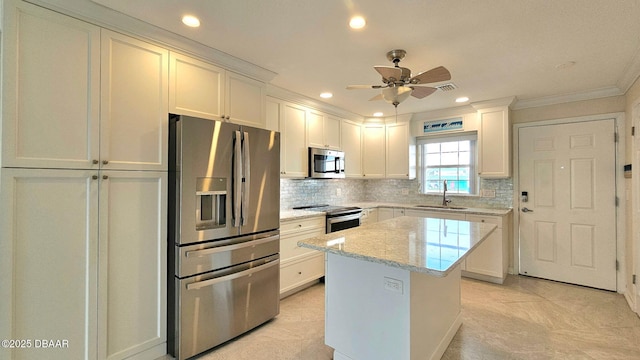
(294, 192)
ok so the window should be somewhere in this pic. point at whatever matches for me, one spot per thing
(448, 158)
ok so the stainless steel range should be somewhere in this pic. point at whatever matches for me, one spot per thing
(338, 217)
(224, 218)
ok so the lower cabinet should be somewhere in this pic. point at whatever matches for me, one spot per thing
(369, 216)
(299, 266)
(83, 263)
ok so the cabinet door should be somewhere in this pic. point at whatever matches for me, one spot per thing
(132, 278)
(273, 113)
(196, 88)
(489, 257)
(315, 129)
(48, 261)
(332, 132)
(352, 147)
(245, 100)
(373, 152)
(134, 106)
(385, 213)
(494, 143)
(51, 90)
(398, 150)
(293, 151)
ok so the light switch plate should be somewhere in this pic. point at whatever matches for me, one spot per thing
(393, 285)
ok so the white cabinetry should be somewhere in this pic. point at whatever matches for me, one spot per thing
(400, 152)
(373, 151)
(385, 213)
(201, 89)
(494, 141)
(71, 242)
(134, 102)
(51, 90)
(352, 147)
(293, 151)
(490, 260)
(82, 244)
(323, 131)
(369, 216)
(299, 266)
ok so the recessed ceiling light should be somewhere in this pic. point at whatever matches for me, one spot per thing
(462, 99)
(357, 22)
(326, 95)
(191, 21)
(377, 114)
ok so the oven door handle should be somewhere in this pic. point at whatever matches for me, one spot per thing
(201, 284)
(343, 218)
(219, 249)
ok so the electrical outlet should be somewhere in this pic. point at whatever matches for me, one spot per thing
(338, 192)
(405, 191)
(393, 285)
(488, 193)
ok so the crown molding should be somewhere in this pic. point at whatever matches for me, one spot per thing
(506, 101)
(105, 17)
(567, 98)
(444, 113)
(287, 95)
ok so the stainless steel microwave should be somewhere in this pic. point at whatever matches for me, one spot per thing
(326, 164)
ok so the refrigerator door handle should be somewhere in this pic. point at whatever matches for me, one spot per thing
(246, 177)
(237, 179)
(201, 284)
(219, 249)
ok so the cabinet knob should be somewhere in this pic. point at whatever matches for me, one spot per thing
(299, 225)
(95, 177)
(299, 272)
(95, 161)
(105, 177)
(105, 162)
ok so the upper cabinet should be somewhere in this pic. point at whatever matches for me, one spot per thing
(201, 89)
(293, 144)
(494, 139)
(323, 131)
(400, 152)
(373, 151)
(82, 99)
(352, 147)
(134, 97)
(51, 97)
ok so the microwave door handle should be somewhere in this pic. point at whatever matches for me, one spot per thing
(237, 179)
(246, 177)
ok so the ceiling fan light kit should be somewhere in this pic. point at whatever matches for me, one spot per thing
(398, 82)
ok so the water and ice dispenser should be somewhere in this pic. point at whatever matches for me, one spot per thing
(211, 203)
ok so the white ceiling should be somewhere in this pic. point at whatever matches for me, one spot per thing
(493, 48)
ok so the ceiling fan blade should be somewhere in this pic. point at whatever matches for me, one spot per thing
(389, 73)
(422, 91)
(377, 97)
(434, 75)
(355, 87)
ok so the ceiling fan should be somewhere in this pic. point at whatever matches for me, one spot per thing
(398, 82)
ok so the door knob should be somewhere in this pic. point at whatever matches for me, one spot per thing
(524, 209)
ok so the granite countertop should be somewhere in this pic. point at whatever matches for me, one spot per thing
(426, 245)
(301, 214)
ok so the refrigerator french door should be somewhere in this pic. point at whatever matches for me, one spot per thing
(224, 192)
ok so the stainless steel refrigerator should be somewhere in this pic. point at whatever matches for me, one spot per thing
(224, 206)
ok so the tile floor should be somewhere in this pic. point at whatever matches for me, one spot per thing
(525, 318)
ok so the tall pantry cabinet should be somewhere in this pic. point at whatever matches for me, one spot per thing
(82, 189)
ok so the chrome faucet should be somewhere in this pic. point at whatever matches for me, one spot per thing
(445, 201)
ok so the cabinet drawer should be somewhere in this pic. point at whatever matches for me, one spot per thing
(290, 226)
(486, 219)
(289, 248)
(300, 272)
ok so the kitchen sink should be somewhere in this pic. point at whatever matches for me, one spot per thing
(441, 207)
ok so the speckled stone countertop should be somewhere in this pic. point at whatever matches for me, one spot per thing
(301, 214)
(426, 245)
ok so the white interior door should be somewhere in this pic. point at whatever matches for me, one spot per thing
(568, 224)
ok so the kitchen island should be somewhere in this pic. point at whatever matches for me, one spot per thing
(393, 287)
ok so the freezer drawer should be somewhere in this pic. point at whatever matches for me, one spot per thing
(218, 306)
(197, 259)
